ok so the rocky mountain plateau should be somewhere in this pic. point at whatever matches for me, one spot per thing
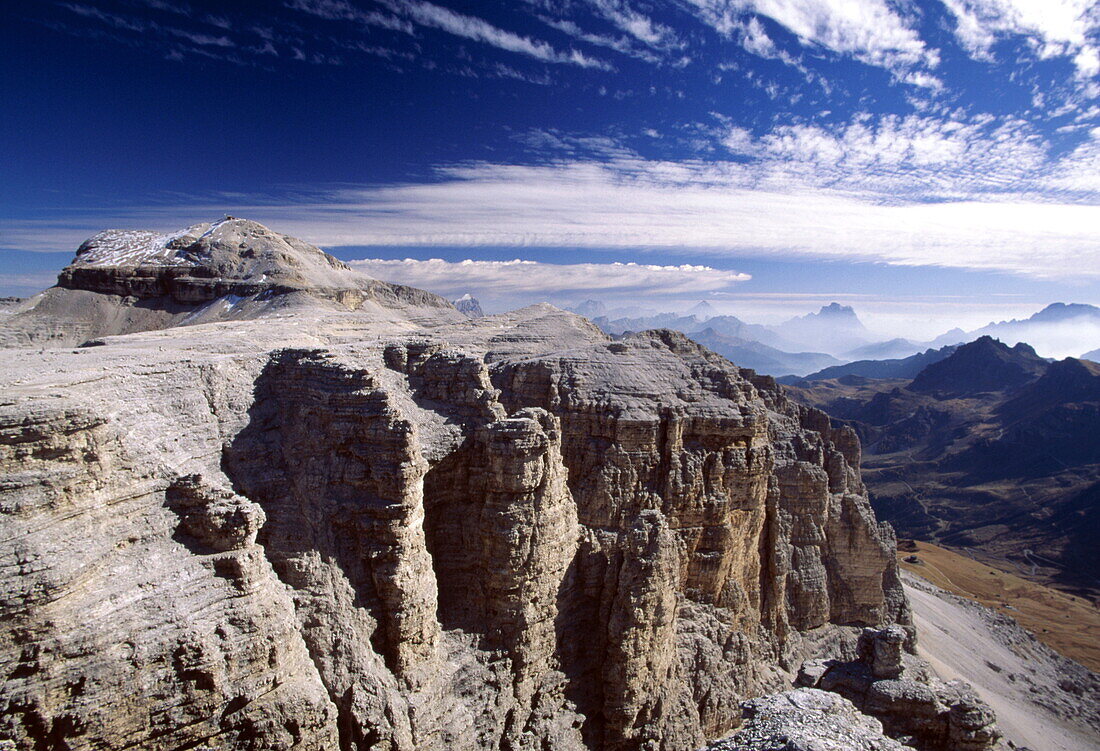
(252, 499)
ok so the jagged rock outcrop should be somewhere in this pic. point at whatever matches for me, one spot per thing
(900, 691)
(379, 529)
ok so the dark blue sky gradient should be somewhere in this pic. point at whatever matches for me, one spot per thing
(118, 109)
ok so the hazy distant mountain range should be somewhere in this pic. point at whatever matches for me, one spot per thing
(760, 357)
(833, 342)
(1058, 330)
(835, 328)
(792, 347)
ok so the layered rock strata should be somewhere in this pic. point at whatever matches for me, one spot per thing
(358, 530)
(126, 281)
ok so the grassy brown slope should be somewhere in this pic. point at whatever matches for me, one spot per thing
(1064, 622)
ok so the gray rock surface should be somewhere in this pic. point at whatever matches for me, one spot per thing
(360, 520)
(1043, 700)
(806, 719)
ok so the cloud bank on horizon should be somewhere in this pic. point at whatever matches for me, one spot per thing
(930, 133)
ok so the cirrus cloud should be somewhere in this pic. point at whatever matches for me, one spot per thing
(971, 193)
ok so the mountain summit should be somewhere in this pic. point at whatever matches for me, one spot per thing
(835, 311)
(123, 281)
(984, 364)
(590, 309)
(1060, 311)
(1058, 330)
(204, 261)
(702, 310)
(468, 306)
(834, 329)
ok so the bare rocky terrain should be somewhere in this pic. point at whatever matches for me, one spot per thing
(1068, 623)
(1043, 701)
(251, 499)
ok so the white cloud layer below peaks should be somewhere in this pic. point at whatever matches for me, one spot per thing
(519, 278)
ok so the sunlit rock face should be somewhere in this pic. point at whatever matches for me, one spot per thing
(392, 527)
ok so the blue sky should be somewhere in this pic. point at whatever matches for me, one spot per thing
(929, 162)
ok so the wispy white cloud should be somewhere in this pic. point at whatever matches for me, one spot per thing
(755, 40)
(619, 44)
(957, 191)
(903, 158)
(111, 19)
(210, 39)
(340, 10)
(1079, 171)
(868, 30)
(24, 285)
(203, 40)
(1057, 28)
(548, 281)
(636, 24)
(706, 210)
(182, 9)
(479, 30)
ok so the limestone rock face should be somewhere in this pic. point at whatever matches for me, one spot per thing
(375, 529)
(133, 620)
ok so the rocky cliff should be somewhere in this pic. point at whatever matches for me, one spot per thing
(381, 525)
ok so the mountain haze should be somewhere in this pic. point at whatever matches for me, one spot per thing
(907, 367)
(1058, 330)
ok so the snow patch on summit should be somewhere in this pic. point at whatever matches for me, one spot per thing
(130, 248)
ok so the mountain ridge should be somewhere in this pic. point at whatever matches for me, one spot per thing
(985, 364)
(992, 449)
